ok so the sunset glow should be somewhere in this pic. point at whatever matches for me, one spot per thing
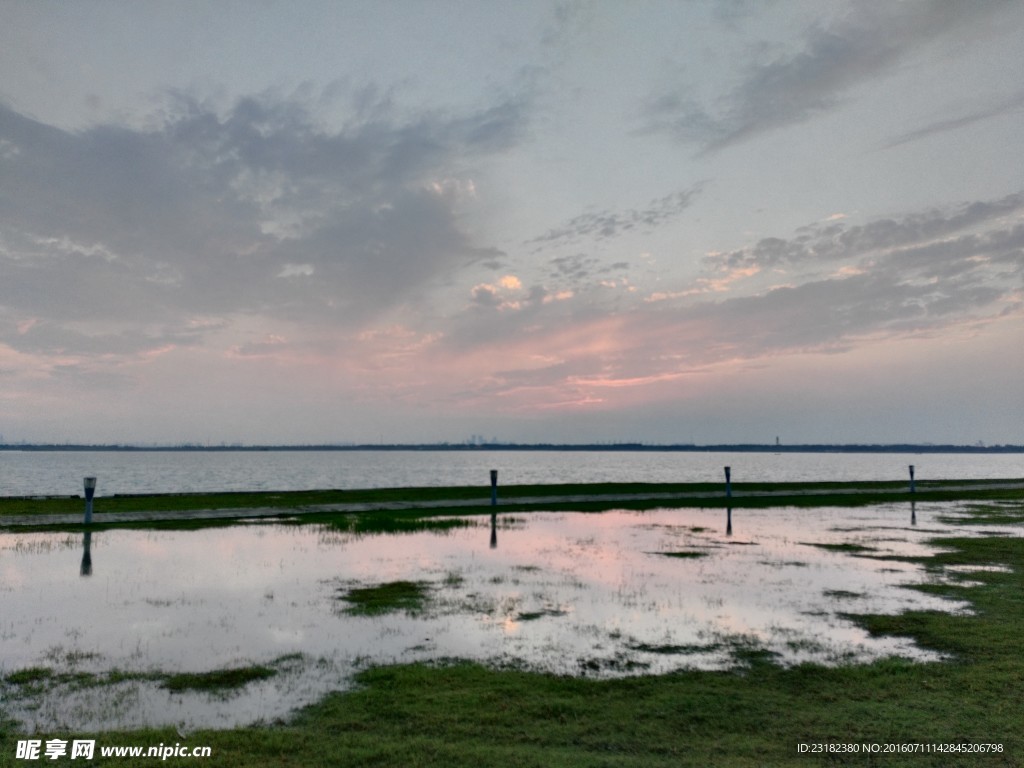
(663, 222)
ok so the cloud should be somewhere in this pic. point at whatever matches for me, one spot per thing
(1004, 107)
(579, 268)
(835, 241)
(253, 209)
(510, 282)
(832, 58)
(606, 224)
(926, 275)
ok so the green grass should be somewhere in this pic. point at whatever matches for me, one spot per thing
(461, 714)
(29, 676)
(671, 650)
(843, 594)
(824, 494)
(684, 555)
(407, 596)
(844, 547)
(216, 680)
(35, 679)
(534, 615)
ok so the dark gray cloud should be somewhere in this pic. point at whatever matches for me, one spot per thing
(580, 267)
(835, 312)
(834, 56)
(1004, 107)
(602, 225)
(835, 242)
(257, 208)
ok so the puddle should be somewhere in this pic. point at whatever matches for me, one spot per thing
(601, 595)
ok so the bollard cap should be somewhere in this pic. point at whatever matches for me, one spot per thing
(90, 483)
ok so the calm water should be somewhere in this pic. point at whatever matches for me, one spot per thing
(61, 472)
(616, 593)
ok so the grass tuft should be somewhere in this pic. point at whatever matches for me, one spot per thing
(684, 555)
(217, 680)
(408, 596)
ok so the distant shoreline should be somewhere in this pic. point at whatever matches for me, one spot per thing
(581, 447)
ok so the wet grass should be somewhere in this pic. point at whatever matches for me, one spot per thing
(804, 494)
(534, 615)
(684, 555)
(454, 714)
(674, 650)
(399, 523)
(848, 548)
(843, 594)
(217, 680)
(29, 676)
(407, 596)
(33, 681)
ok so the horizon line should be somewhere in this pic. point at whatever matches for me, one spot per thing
(925, 447)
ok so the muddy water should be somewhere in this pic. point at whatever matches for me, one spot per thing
(582, 594)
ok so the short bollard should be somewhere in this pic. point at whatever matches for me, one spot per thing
(728, 481)
(90, 490)
(494, 487)
(912, 488)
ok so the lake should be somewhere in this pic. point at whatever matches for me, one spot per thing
(61, 472)
(600, 595)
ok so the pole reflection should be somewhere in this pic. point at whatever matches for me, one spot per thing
(86, 569)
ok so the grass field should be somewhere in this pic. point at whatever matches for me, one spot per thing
(460, 714)
(578, 497)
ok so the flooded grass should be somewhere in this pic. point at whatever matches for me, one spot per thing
(843, 547)
(675, 650)
(686, 555)
(534, 615)
(843, 594)
(453, 713)
(750, 630)
(406, 596)
(217, 680)
(397, 523)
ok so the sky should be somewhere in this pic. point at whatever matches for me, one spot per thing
(424, 220)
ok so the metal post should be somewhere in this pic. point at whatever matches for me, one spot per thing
(728, 481)
(912, 488)
(494, 487)
(90, 489)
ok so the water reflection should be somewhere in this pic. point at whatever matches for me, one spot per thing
(728, 521)
(494, 531)
(86, 567)
(913, 513)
